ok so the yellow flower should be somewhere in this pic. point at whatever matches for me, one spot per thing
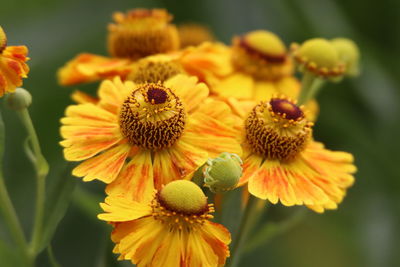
(256, 67)
(283, 163)
(192, 34)
(136, 34)
(171, 229)
(12, 65)
(146, 132)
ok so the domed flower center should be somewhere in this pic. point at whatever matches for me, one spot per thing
(286, 108)
(142, 32)
(148, 71)
(277, 129)
(181, 204)
(157, 96)
(152, 117)
(261, 54)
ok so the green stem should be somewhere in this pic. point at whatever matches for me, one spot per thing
(272, 229)
(6, 206)
(248, 219)
(52, 258)
(310, 85)
(42, 169)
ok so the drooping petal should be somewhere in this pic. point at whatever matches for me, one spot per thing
(80, 97)
(122, 209)
(87, 67)
(136, 179)
(317, 178)
(176, 162)
(211, 136)
(218, 238)
(89, 115)
(251, 165)
(83, 142)
(104, 167)
(188, 90)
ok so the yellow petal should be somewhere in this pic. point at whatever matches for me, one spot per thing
(188, 90)
(238, 85)
(122, 209)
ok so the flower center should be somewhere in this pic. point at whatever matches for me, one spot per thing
(286, 108)
(181, 204)
(277, 129)
(261, 54)
(148, 71)
(152, 117)
(142, 32)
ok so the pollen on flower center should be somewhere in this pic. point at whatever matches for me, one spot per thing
(181, 204)
(152, 117)
(277, 129)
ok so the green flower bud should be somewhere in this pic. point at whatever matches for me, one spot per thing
(19, 100)
(349, 54)
(222, 173)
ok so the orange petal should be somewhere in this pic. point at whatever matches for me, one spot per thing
(89, 115)
(251, 165)
(177, 162)
(211, 135)
(104, 167)
(89, 67)
(136, 179)
(83, 142)
(218, 238)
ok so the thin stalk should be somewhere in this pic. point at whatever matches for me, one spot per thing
(249, 214)
(52, 258)
(6, 206)
(310, 85)
(42, 169)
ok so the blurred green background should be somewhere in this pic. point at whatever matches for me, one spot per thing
(359, 116)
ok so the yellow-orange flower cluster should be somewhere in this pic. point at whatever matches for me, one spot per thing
(12, 65)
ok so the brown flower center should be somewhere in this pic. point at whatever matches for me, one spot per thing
(277, 129)
(152, 117)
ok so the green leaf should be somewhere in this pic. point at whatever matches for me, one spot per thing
(57, 204)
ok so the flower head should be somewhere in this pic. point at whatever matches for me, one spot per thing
(12, 65)
(349, 54)
(138, 135)
(191, 34)
(142, 32)
(171, 229)
(283, 163)
(261, 54)
(320, 57)
(154, 69)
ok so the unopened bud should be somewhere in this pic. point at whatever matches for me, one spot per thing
(349, 54)
(223, 173)
(19, 100)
